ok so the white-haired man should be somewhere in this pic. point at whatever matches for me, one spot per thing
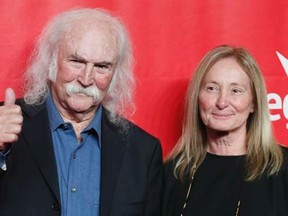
(65, 148)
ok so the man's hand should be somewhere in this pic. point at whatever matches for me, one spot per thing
(11, 120)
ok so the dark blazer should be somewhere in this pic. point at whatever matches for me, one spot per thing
(131, 170)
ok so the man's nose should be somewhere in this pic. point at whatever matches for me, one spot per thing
(86, 77)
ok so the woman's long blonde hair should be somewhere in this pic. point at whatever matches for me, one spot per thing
(263, 152)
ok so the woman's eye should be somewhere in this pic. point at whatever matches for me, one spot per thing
(211, 88)
(236, 91)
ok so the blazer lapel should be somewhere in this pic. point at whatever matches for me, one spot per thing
(112, 152)
(36, 132)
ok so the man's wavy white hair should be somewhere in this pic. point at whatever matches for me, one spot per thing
(43, 62)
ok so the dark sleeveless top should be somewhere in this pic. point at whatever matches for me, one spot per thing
(218, 186)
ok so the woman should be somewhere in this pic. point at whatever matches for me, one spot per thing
(227, 161)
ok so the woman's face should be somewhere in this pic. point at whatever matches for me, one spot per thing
(225, 97)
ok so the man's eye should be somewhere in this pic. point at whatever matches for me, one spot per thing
(102, 66)
(75, 61)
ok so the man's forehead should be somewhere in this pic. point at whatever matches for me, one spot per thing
(91, 45)
(96, 31)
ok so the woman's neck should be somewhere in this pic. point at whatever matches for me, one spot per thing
(224, 143)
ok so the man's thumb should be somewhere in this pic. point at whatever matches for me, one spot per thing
(9, 96)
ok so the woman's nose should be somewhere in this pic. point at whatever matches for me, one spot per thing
(222, 100)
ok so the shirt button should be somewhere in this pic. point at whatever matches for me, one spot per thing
(73, 189)
(65, 126)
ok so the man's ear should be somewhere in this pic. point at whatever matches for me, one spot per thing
(52, 71)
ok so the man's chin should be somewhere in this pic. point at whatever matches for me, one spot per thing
(84, 102)
(84, 108)
(81, 95)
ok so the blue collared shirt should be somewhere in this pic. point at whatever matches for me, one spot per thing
(78, 164)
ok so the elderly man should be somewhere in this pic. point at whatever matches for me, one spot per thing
(66, 148)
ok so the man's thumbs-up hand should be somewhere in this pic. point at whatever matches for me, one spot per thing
(9, 97)
(11, 120)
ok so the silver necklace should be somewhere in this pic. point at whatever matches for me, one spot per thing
(189, 191)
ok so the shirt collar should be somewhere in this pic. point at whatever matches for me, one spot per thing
(56, 120)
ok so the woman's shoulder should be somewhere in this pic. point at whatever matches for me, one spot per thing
(170, 172)
(169, 166)
(284, 150)
(285, 154)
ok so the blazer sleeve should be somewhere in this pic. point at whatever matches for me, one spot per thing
(155, 187)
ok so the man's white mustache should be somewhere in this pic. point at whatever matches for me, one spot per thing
(89, 91)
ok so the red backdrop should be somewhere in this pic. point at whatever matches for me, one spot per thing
(170, 37)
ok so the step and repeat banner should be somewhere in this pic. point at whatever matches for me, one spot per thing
(169, 39)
